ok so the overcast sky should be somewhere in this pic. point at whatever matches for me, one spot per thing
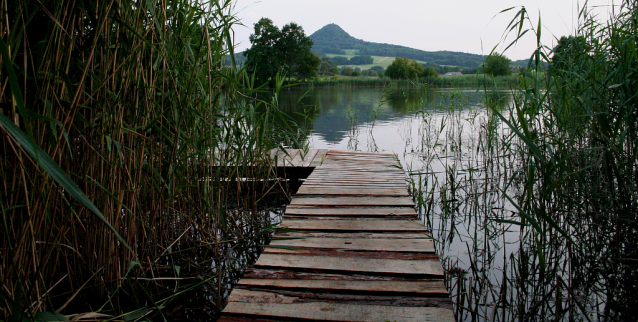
(469, 26)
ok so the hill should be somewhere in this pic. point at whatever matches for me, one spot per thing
(332, 39)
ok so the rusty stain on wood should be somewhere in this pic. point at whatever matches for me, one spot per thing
(357, 250)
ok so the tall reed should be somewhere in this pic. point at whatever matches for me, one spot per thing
(133, 103)
(545, 196)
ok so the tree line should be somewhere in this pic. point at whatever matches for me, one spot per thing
(289, 52)
(356, 60)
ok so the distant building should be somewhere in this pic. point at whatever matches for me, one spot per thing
(453, 74)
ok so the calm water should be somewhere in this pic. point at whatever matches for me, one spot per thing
(434, 134)
(457, 157)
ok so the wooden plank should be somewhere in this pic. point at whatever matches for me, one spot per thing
(355, 225)
(283, 159)
(316, 311)
(369, 177)
(352, 211)
(310, 190)
(357, 184)
(308, 157)
(364, 178)
(354, 201)
(358, 179)
(347, 153)
(367, 168)
(381, 245)
(350, 253)
(360, 183)
(319, 158)
(420, 267)
(370, 235)
(363, 167)
(297, 160)
(404, 287)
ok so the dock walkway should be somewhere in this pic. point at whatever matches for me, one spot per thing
(358, 253)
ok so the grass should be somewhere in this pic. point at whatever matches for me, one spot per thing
(112, 115)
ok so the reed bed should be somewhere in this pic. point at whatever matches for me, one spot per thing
(125, 146)
(457, 81)
(346, 81)
(475, 80)
(541, 191)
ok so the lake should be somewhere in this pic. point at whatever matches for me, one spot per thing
(465, 175)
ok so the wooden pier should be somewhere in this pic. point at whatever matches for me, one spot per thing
(358, 253)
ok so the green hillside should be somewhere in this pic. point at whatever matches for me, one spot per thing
(383, 61)
(332, 40)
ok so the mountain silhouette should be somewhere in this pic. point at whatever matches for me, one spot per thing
(332, 39)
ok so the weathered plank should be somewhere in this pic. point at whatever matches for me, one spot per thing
(319, 158)
(370, 235)
(308, 157)
(404, 287)
(339, 312)
(271, 295)
(335, 190)
(358, 180)
(353, 185)
(351, 211)
(356, 225)
(381, 245)
(284, 158)
(352, 264)
(358, 201)
(297, 161)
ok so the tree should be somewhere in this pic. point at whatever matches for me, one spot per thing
(295, 47)
(346, 71)
(361, 60)
(264, 57)
(497, 65)
(325, 67)
(429, 71)
(305, 65)
(380, 70)
(275, 50)
(402, 67)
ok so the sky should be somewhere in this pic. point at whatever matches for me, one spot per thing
(469, 26)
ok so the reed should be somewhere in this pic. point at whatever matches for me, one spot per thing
(133, 104)
(474, 80)
(544, 196)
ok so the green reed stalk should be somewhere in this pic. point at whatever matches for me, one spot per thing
(134, 104)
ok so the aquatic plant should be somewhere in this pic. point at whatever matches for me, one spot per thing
(125, 143)
(545, 197)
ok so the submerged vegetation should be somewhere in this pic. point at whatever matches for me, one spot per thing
(124, 146)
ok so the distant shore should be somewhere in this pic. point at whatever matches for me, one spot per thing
(468, 80)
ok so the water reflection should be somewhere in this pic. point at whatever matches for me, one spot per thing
(460, 160)
(340, 109)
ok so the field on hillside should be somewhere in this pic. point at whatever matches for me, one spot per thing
(382, 61)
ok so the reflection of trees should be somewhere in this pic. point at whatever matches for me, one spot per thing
(404, 99)
(498, 99)
(293, 122)
(325, 110)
